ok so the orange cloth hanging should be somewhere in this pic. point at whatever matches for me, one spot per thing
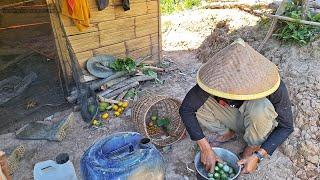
(80, 13)
(71, 4)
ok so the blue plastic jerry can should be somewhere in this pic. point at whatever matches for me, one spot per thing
(61, 169)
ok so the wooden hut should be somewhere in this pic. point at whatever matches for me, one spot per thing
(134, 33)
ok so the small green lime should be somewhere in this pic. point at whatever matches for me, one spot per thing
(91, 109)
(220, 165)
(224, 177)
(216, 175)
(216, 168)
(226, 168)
(154, 118)
(210, 175)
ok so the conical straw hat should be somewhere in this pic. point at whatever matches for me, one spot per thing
(238, 72)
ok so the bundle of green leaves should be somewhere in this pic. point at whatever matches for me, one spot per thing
(125, 64)
(294, 31)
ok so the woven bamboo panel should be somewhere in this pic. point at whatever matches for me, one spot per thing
(155, 38)
(116, 25)
(152, 7)
(73, 30)
(116, 37)
(100, 16)
(140, 52)
(84, 42)
(115, 49)
(136, 9)
(165, 107)
(83, 57)
(144, 18)
(155, 49)
(138, 43)
(119, 2)
(147, 28)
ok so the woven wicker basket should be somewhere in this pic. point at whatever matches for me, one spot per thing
(165, 107)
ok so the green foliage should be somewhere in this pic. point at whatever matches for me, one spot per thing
(295, 32)
(130, 94)
(153, 74)
(125, 64)
(164, 122)
(171, 6)
(188, 4)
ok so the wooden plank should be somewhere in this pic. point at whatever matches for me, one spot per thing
(107, 38)
(152, 7)
(115, 49)
(83, 57)
(116, 25)
(147, 28)
(144, 18)
(119, 2)
(155, 38)
(84, 42)
(136, 9)
(155, 49)
(140, 53)
(73, 30)
(105, 15)
(138, 43)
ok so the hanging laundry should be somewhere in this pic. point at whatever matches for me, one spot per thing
(102, 4)
(71, 4)
(126, 5)
(80, 13)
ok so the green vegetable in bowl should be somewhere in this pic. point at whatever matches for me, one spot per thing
(220, 165)
(210, 175)
(226, 168)
(216, 175)
(216, 168)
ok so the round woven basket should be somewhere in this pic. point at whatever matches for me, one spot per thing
(165, 107)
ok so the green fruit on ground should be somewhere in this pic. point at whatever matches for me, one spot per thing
(91, 109)
(220, 165)
(226, 168)
(101, 108)
(216, 175)
(210, 175)
(104, 104)
(154, 118)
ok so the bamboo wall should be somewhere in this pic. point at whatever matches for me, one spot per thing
(133, 33)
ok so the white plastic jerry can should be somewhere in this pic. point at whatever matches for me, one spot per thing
(61, 169)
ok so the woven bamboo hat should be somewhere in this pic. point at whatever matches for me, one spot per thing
(238, 72)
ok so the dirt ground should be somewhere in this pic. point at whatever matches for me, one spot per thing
(189, 38)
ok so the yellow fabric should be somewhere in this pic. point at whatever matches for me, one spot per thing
(80, 15)
(237, 96)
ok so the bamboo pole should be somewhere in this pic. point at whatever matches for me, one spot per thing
(16, 4)
(294, 20)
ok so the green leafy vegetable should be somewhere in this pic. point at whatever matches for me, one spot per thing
(164, 122)
(153, 74)
(126, 64)
(130, 94)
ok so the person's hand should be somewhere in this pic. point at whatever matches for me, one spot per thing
(208, 158)
(250, 164)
